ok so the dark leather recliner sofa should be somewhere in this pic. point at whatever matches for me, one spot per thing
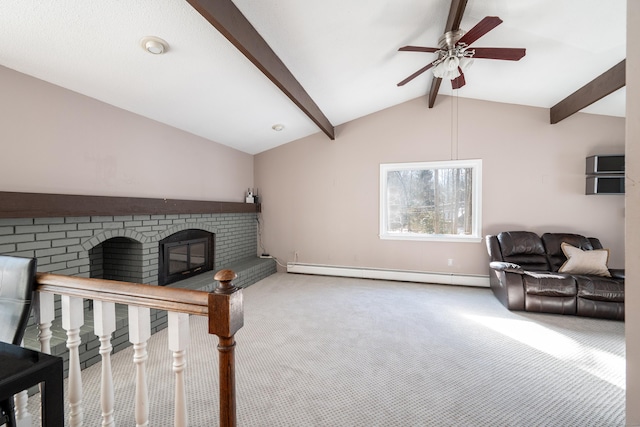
(524, 276)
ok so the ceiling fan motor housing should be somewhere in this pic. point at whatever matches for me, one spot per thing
(449, 47)
(449, 39)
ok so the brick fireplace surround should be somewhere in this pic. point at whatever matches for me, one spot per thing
(70, 234)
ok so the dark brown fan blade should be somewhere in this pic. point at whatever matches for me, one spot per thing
(418, 49)
(414, 75)
(506, 53)
(458, 82)
(483, 27)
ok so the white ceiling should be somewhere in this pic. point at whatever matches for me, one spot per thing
(344, 53)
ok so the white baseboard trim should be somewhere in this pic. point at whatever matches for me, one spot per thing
(383, 274)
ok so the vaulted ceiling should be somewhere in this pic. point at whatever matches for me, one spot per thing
(342, 55)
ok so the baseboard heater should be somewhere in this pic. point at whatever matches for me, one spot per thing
(383, 274)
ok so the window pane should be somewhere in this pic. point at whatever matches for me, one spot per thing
(177, 259)
(453, 201)
(429, 199)
(410, 201)
(197, 254)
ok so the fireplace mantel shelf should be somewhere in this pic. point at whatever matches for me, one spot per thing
(42, 205)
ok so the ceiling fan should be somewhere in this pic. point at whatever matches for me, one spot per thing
(454, 52)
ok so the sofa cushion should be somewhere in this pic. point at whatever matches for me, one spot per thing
(601, 309)
(556, 305)
(600, 288)
(553, 246)
(549, 284)
(523, 248)
(585, 262)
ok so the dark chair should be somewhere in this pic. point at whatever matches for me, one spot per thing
(17, 285)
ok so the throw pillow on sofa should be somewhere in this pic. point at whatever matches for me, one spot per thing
(585, 262)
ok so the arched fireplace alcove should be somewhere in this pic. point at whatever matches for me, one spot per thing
(118, 258)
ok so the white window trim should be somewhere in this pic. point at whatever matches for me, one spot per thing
(475, 164)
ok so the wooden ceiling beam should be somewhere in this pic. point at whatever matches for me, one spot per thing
(603, 85)
(233, 25)
(455, 15)
(453, 23)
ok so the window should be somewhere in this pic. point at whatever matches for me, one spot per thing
(431, 201)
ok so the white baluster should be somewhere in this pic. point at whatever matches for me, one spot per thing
(104, 315)
(72, 320)
(45, 313)
(23, 417)
(139, 334)
(178, 342)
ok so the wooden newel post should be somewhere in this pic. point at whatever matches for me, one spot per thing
(226, 317)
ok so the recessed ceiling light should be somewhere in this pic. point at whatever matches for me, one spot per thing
(154, 45)
(277, 127)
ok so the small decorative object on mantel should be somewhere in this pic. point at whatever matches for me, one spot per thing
(605, 174)
(252, 196)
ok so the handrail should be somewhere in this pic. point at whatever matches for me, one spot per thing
(139, 294)
(223, 307)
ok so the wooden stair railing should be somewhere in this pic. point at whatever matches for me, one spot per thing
(223, 307)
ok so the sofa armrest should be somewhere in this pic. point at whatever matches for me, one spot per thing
(508, 267)
(506, 285)
(617, 273)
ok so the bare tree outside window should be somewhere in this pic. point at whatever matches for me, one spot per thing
(430, 200)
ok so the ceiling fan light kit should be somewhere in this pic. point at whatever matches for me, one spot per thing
(453, 59)
(453, 64)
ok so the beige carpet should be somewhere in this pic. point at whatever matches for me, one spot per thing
(322, 351)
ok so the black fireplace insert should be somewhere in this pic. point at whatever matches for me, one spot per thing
(185, 254)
